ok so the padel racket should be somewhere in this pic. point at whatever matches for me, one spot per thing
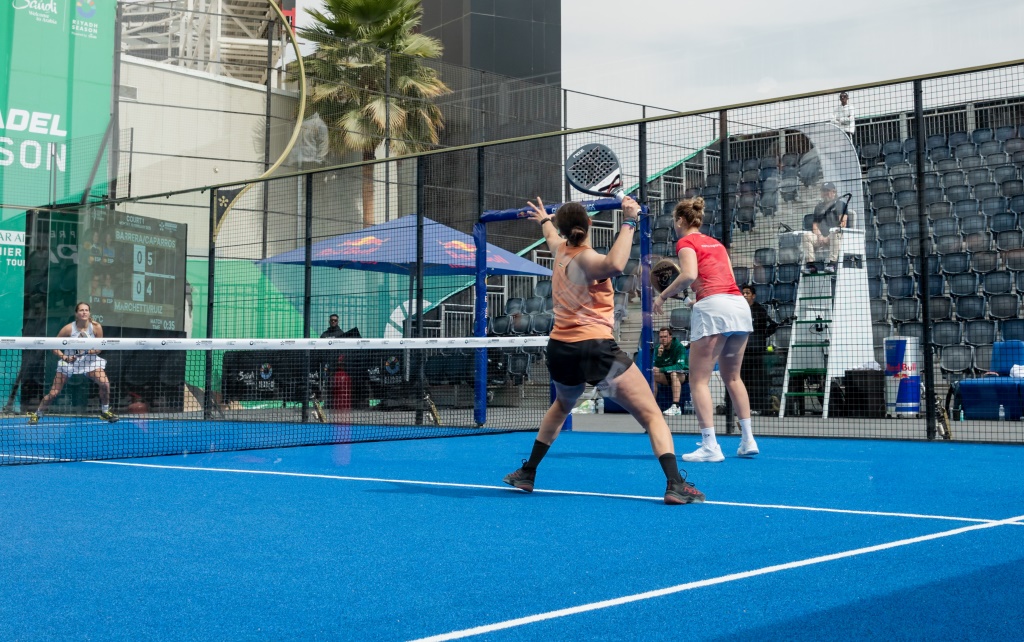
(594, 169)
(663, 274)
(318, 409)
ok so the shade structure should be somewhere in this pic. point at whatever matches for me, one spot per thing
(391, 247)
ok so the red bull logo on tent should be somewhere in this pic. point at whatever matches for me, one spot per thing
(360, 246)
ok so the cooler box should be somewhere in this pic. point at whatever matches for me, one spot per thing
(902, 377)
(981, 398)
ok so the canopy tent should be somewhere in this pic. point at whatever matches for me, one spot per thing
(391, 247)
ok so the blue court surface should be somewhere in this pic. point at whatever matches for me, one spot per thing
(814, 539)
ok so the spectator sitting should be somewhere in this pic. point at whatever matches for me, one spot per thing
(670, 366)
(829, 213)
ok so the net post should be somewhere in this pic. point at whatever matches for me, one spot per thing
(929, 358)
(210, 272)
(307, 296)
(480, 304)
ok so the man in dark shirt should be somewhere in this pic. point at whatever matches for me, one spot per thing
(333, 330)
(752, 371)
(829, 213)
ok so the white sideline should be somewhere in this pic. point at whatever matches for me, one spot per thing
(580, 493)
(732, 577)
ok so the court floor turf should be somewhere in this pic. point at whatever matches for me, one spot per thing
(814, 539)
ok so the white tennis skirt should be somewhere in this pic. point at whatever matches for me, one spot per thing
(726, 314)
(82, 365)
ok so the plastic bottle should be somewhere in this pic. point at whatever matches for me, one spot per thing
(1002, 413)
(600, 405)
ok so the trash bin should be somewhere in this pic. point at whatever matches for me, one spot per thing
(902, 377)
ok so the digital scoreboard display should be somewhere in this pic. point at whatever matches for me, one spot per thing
(131, 269)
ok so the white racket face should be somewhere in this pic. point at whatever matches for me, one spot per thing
(594, 169)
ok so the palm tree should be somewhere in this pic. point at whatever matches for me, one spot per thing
(368, 80)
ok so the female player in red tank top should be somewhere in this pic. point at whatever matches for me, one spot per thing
(582, 348)
(719, 326)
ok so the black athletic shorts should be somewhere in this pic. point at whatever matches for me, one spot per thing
(590, 361)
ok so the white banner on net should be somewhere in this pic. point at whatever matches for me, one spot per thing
(29, 343)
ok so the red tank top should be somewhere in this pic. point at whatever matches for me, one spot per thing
(714, 270)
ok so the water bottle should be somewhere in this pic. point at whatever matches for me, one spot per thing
(1002, 413)
(962, 415)
(688, 407)
(600, 405)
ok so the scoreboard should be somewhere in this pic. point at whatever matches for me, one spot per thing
(131, 269)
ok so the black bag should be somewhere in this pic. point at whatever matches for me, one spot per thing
(865, 393)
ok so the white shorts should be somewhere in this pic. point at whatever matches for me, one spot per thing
(82, 365)
(725, 314)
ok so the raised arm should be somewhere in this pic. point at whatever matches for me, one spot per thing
(547, 225)
(598, 266)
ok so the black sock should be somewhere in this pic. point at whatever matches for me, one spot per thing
(539, 450)
(670, 466)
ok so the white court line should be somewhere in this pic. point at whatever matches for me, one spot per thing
(538, 490)
(732, 577)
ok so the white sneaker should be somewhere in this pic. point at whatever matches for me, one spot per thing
(673, 410)
(705, 453)
(748, 448)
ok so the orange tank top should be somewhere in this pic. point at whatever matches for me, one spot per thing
(581, 311)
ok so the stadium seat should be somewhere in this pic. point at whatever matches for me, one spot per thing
(901, 287)
(1005, 132)
(982, 359)
(879, 333)
(1009, 240)
(895, 266)
(997, 160)
(742, 275)
(874, 267)
(939, 154)
(973, 223)
(679, 318)
(997, 283)
(500, 326)
(957, 138)
(875, 288)
(787, 273)
(945, 226)
(979, 332)
(948, 244)
(1003, 306)
(982, 135)
(992, 202)
(763, 292)
(913, 329)
(964, 284)
(984, 262)
(966, 207)
(932, 263)
(970, 307)
(955, 263)
(533, 305)
(1003, 221)
(514, 305)
(906, 310)
(1014, 261)
(972, 162)
(956, 362)
(542, 288)
(879, 311)
(937, 211)
(891, 147)
(978, 176)
(1011, 187)
(1012, 330)
(892, 247)
(946, 333)
(542, 324)
(940, 308)
(978, 241)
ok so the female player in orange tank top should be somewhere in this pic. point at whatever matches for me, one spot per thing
(582, 349)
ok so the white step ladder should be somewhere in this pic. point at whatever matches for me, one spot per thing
(832, 330)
